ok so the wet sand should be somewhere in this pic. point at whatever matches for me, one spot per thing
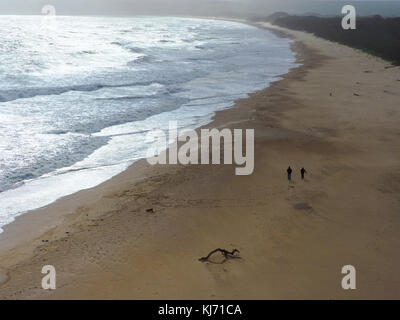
(337, 115)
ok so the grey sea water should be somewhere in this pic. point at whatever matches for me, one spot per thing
(79, 94)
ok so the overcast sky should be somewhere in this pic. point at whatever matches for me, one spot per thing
(169, 7)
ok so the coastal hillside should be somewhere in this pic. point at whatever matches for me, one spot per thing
(375, 35)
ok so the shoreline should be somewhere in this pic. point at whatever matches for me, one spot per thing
(293, 238)
(44, 219)
(61, 182)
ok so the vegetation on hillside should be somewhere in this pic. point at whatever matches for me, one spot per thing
(375, 35)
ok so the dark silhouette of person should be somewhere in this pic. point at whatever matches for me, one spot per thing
(302, 172)
(289, 173)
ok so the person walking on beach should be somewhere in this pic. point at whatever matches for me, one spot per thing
(289, 173)
(302, 172)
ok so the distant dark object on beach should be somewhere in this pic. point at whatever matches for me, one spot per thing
(302, 206)
(374, 35)
(225, 255)
(151, 210)
(289, 173)
(356, 94)
(302, 172)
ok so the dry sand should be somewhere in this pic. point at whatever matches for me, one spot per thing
(293, 237)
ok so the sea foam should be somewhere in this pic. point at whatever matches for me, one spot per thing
(76, 102)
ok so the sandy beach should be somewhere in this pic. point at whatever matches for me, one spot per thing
(337, 115)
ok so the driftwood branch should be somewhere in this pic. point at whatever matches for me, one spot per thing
(227, 255)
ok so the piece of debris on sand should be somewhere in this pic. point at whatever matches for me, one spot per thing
(220, 256)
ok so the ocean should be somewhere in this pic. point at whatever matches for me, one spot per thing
(79, 94)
